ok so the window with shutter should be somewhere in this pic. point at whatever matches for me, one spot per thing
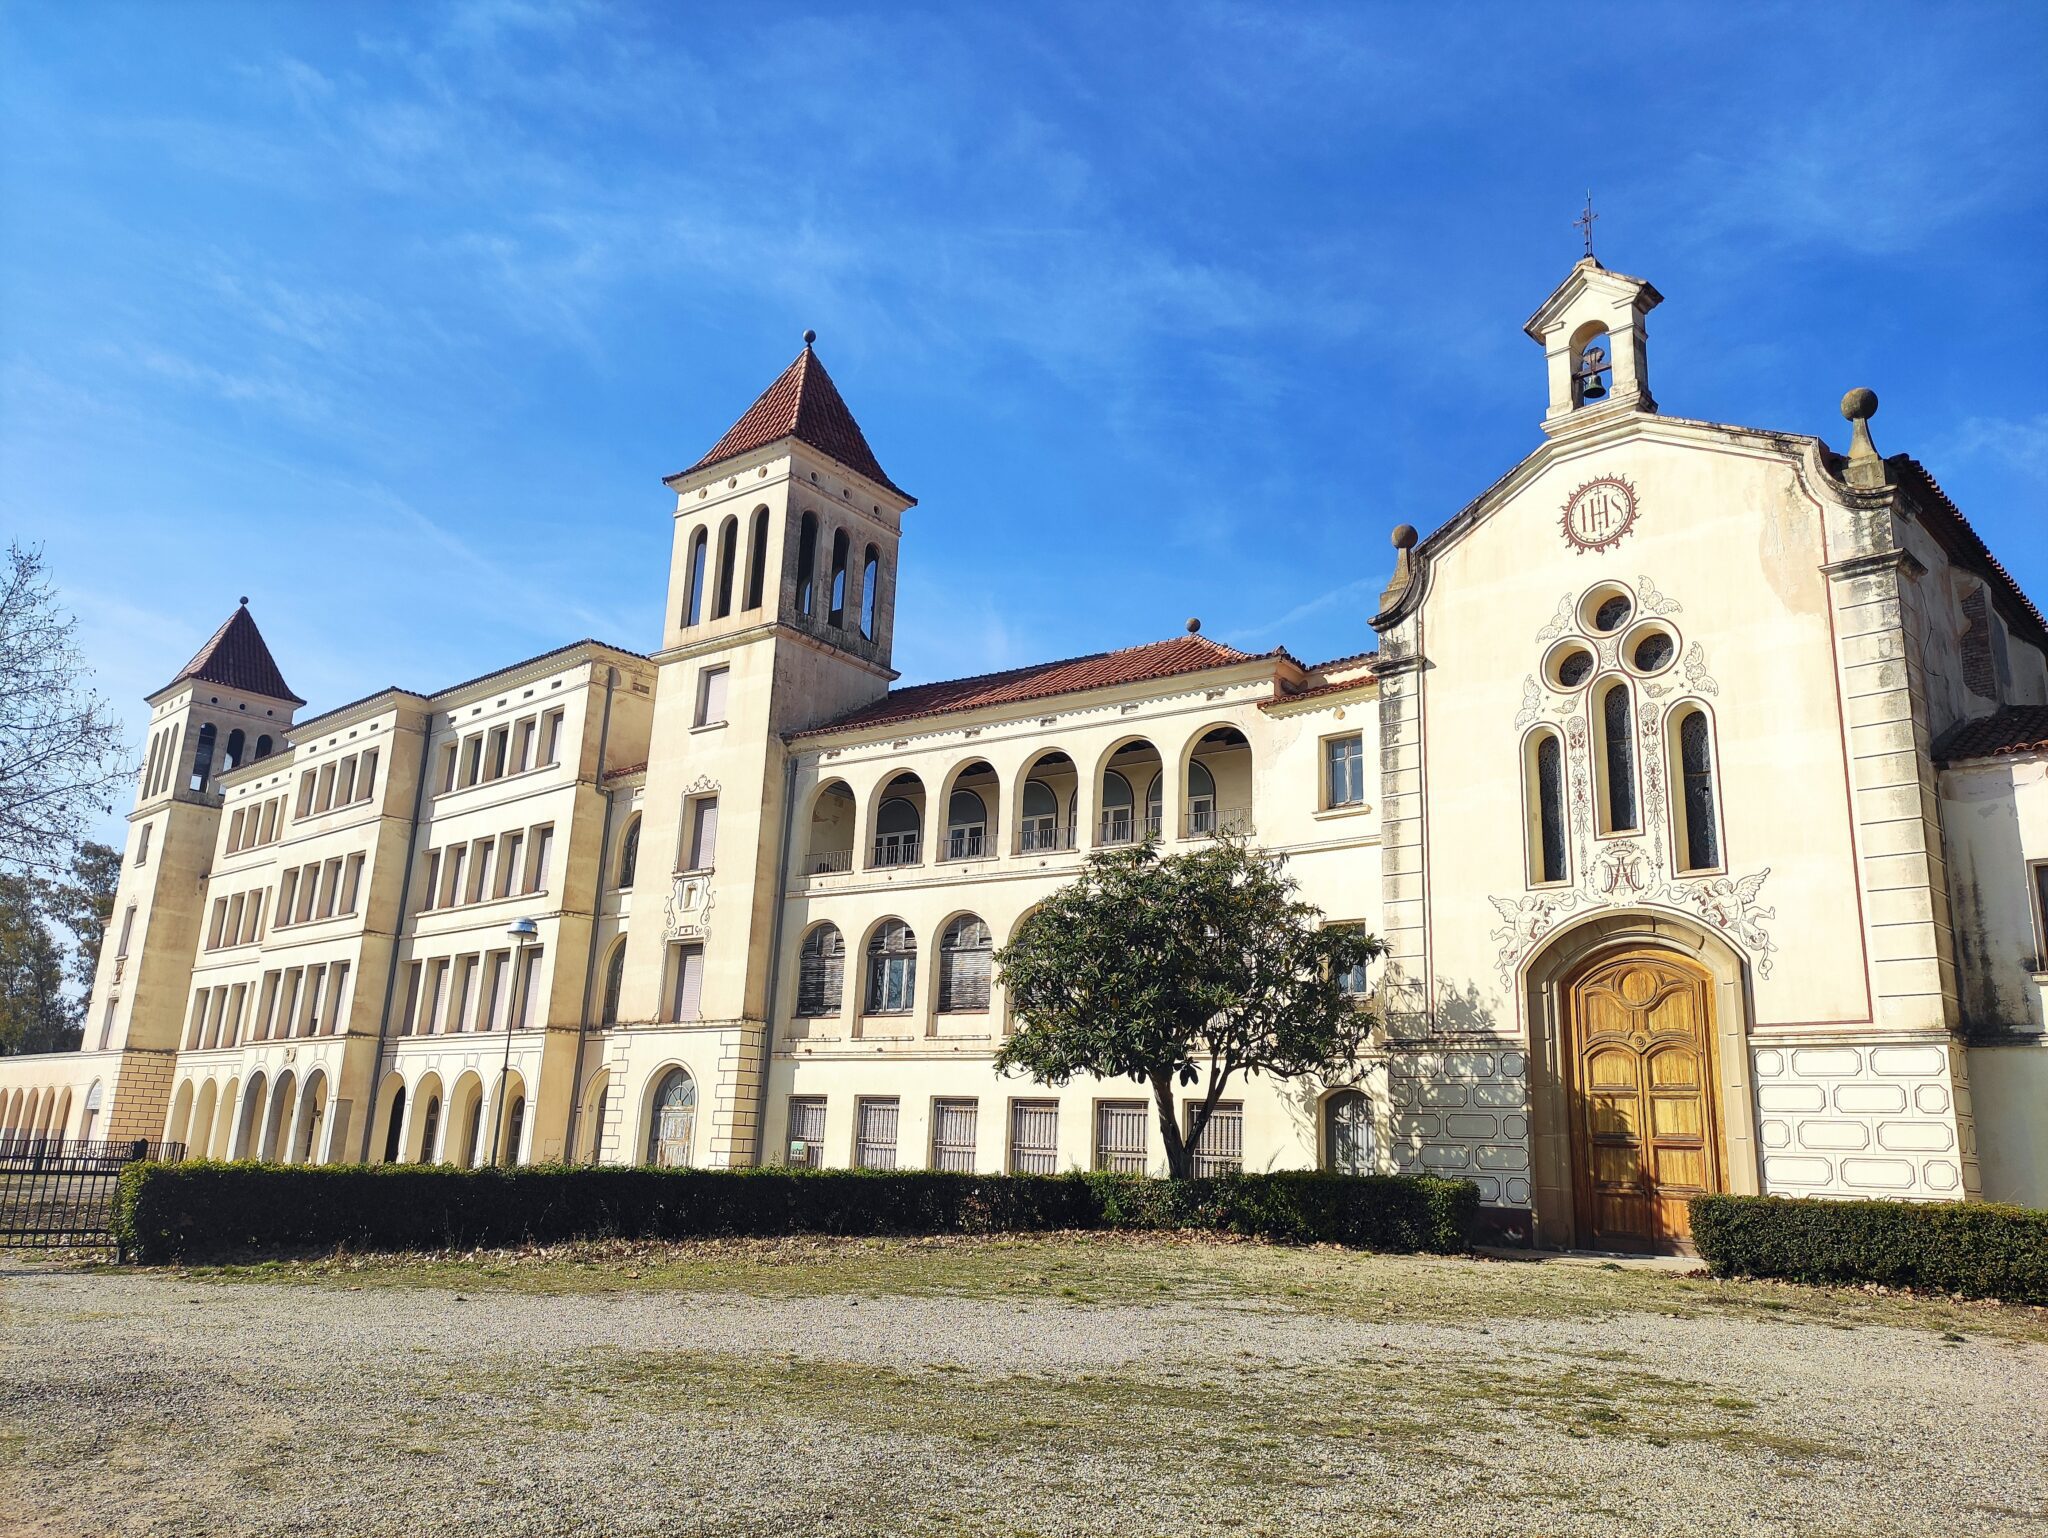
(711, 696)
(689, 978)
(821, 973)
(703, 853)
(964, 967)
(892, 969)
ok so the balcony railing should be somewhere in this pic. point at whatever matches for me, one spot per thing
(967, 844)
(898, 849)
(1120, 827)
(824, 862)
(1208, 821)
(1040, 835)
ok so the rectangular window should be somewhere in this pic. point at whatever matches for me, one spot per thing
(805, 1146)
(1120, 1136)
(195, 1031)
(437, 982)
(259, 1027)
(711, 696)
(1034, 1137)
(495, 754)
(2040, 875)
(409, 1021)
(1344, 779)
(330, 888)
(953, 1135)
(703, 833)
(238, 998)
(107, 1025)
(325, 797)
(874, 1133)
(479, 870)
(688, 999)
(522, 745)
(451, 875)
(497, 996)
(305, 807)
(551, 737)
(351, 883)
(235, 830)
(288, 1002)
(142, 844)
(310, 1019)
(337, 986)
(449, 757)
(345, 782)
(366, 783)
(533, 1007)
(508, 865)
(543, 849)
(460, 996)
(127, 931)
(1353, 984)
(219, 922)
(1220, 1149)
(270, 815)
(432, 882)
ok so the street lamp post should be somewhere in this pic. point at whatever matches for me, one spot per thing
(523, 932)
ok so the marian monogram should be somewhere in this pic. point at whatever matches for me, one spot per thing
(1600, 513)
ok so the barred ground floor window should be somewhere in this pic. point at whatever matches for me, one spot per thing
(1034, 1137)
(1120, 1136)
(1220, 1148)
(874, 1136)
(954, 1127)
(806, 1142)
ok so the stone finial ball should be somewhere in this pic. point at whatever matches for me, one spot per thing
(1859, 405)
(810, 337)
(1405, 536)
(1193, 626)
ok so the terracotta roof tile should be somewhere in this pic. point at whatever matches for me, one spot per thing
(2014, 729)
(803, 404)
(1099, 670)
(235, 657)
(1975, 552)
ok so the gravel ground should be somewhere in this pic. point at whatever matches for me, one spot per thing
(162, 1403)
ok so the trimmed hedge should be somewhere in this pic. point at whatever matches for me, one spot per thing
(206, 1211)
(1973, 1249)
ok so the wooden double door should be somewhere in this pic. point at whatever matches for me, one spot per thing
(1646, 1134)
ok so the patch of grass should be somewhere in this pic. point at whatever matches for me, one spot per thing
(1112, 1270)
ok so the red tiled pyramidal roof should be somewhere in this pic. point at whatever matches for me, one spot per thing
(803, 404)
(1100, 670)
(2015, 729)
(235, 657)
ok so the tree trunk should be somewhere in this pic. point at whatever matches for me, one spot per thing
(1179, 1162)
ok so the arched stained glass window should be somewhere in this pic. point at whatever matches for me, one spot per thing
(1618, 744)
(1550, 825)
(1696, 765)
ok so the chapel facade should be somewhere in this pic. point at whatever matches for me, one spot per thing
(1695, 777)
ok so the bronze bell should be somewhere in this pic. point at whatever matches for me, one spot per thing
(1592, 374)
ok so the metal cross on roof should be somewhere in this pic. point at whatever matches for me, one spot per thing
(1585, 222)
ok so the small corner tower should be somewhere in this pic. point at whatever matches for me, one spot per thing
(227, 707)
(1595, 344)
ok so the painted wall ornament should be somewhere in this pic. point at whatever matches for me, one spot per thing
(688, 915)
(1633, 870)
(1599, 514)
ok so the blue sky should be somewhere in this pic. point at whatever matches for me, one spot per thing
(392, 317)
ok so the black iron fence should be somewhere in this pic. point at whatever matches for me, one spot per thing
(58, 1192)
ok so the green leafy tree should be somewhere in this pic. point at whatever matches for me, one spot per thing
(61, 758)
(83, 903)
(1169, 970)
(36, 1015)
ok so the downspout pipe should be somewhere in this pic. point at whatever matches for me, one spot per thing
(412, 833)
(604, 860)
(775, 958)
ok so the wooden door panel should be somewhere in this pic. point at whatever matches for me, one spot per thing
(1644, 1132)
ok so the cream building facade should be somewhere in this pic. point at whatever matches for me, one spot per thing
(1695, 776)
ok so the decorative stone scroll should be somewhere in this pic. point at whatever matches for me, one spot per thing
(688, 915)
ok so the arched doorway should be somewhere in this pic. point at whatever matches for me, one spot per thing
(672, 1120)
(1639, 1066)
(1347, 1132)
(1640, 1092)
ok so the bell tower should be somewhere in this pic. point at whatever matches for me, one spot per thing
(781, 615)
(227, 707)
(1595, 345)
